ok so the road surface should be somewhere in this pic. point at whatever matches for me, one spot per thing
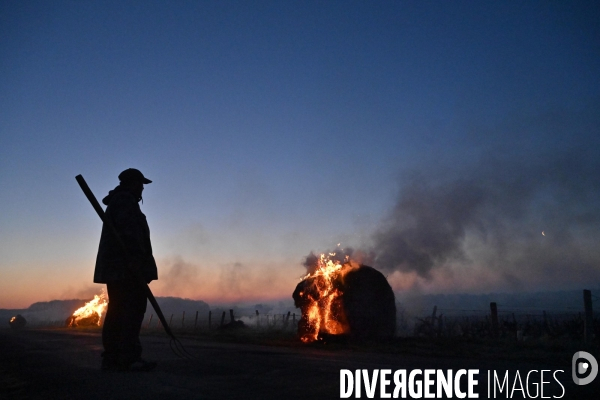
(65, 364)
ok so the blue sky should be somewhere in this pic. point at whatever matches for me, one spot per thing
(272, 129)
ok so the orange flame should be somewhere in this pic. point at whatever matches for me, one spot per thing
(91, 311)
(322, 311)
(12, 319)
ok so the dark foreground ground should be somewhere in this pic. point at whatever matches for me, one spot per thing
(64, 364)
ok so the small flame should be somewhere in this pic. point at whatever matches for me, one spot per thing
(12, 319)
(93, 309)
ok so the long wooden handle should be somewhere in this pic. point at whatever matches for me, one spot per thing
(90, 196)
(92, 199)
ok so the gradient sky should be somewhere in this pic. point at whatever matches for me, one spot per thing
(441, 138)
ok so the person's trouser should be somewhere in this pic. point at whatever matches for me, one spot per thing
(124, 316)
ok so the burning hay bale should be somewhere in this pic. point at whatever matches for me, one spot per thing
(92, 319)
(17, 322)
(345, 298)
(369, 303)
(90, 314)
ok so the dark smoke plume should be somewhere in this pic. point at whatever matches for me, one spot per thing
(493, 213)
(525, 211)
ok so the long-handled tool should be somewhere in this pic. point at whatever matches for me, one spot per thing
(175, 344)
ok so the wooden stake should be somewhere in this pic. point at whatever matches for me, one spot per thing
(231, 315)
(494, 311)
(183, 320)
(223, 319)
(588, 332)
(196, 321)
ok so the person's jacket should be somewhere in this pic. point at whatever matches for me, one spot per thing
(112, 263)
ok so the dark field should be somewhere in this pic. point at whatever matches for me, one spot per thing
(248, 364)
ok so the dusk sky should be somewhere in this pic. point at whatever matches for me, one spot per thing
(439, 139)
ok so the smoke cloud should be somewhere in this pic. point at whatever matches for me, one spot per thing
(522, 213)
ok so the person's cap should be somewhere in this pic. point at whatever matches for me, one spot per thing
(133, 175)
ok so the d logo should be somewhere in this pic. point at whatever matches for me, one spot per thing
(589, 365)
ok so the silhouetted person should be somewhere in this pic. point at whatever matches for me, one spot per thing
(126, 294)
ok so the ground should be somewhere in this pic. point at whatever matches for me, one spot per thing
(64, 364)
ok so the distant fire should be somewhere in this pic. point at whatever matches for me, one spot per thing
(91, 313)
(17, 322)
(319, 296)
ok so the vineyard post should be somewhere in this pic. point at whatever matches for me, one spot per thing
(494, 311)
(589, 316)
